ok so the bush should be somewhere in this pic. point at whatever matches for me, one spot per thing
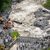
(47, 4)
(4, 4)
(15, 35)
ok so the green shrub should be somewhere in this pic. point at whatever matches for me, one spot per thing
(15, 35)
(47, 4)
(4, 4)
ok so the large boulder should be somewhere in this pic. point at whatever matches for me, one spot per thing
(38, 13)
(41, 23)
(42, 13)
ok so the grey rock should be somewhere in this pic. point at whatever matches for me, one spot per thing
(48, 32)
(41, 23)
(1, 32)
(42, 13)
(47, 27)
(48, 17)
(39, 13)
(1, 41)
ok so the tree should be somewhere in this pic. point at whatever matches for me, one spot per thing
(47, 4)
(4, 5)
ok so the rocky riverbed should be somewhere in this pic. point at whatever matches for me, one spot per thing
(30, 18)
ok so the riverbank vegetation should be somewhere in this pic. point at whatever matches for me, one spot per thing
(47, 4)
(15, 35)
(4, 5)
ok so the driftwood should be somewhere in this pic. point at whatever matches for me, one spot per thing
(17, 22)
